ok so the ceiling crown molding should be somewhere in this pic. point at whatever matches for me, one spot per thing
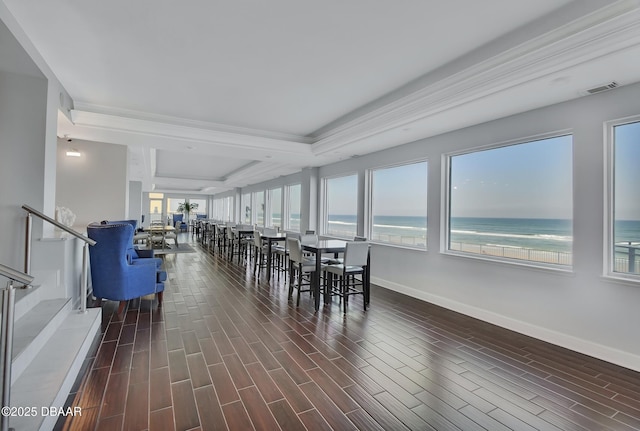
(186, 183)
(179, 121)
(256, 171)
(190, 131)
(607, 30)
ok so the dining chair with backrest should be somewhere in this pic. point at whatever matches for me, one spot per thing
(199, 217)
(139, 235)
(171, 234)
(341, 259)
(260, 251)
(237, 245)
(210, 234)
(246, 238)
(269, 231)
(355, 263)
(299, 265)
(308, 239)
(156, 232)
(221, 237)
(282, 252)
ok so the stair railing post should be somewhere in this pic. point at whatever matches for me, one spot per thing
(27, 244)
(6, 350)
(84, 282)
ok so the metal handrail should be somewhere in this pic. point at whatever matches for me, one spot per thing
(15, 275)
(58, 224)
(6, 335)
(85, 250)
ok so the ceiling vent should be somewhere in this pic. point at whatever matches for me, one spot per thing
(600, 88)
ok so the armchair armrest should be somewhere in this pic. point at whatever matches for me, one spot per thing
(142, 280)
(145, 253)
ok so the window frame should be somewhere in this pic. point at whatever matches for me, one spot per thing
(445, 204)
(369, 185)
(324, 216)
(609, 201)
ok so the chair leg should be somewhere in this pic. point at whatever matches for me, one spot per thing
(160, 296)
(121, 307)
(290, 280)
(299, 285)
(345, 292)
(255, 261)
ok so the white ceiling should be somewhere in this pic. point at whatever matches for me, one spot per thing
(212, 95)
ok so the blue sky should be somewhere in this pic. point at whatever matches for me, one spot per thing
(294, 198)
(627, 171)
(400, 190)
(531, 180)
(342, 195)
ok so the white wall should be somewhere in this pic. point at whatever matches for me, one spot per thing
(135, 200)
(93, 186)
(23, 103)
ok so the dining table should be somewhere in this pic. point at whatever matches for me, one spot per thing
(335, 247)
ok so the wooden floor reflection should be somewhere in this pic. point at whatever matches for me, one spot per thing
(228, 351)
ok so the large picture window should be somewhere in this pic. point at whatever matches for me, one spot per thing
(228, 208)
(202, 206)
(218, 209)
(245, 208)
(341, 206)
(275, 207)
(398, 205)
(155, 207)
(293, 207)
(172, 205)
(626, 199)
(513, 202)
(258, 207)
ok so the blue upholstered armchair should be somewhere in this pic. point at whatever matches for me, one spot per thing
(118, 273)
(134, 252)
(178, 222)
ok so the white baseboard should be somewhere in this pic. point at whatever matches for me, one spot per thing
(609, 354)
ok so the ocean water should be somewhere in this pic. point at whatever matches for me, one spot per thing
(542, 234)
(498, 236)
(405, 230)
(538, 234)
(627, 231)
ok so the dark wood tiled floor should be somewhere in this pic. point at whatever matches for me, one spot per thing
(228, 351)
